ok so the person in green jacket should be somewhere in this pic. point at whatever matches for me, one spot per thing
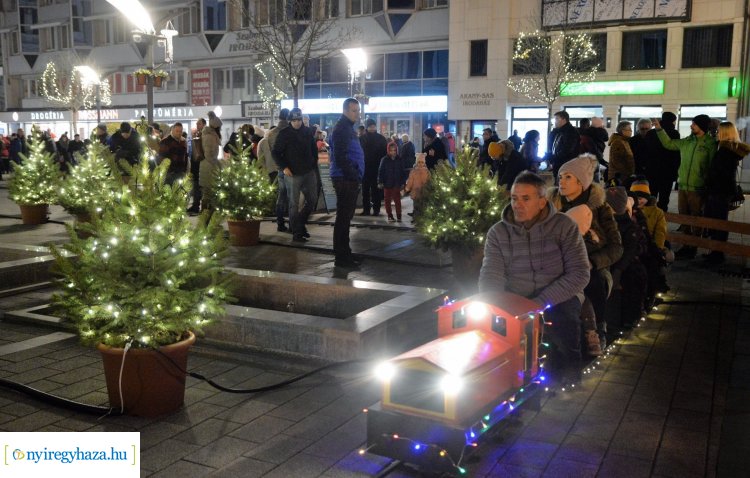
(696, 153)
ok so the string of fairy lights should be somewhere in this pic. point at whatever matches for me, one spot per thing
(242, 190)
(563, 53)
(461, 204)
(89, 183)
(33, 180)
(72, 89)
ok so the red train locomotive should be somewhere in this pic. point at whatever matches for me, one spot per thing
(441, 397)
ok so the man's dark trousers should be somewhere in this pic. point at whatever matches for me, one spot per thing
(346, 202)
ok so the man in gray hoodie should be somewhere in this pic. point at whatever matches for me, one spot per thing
(538, 253)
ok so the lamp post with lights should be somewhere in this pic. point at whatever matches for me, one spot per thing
(357, 58)
(136, 14)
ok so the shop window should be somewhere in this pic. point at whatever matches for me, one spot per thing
(434, 3)
(525, 119)
(335, 90)
(312, 91)
(579, 112)
(599, 42)
(403, 66)
(312, 70)
(478, 58)
(403, 88)
(707, 47)
(435, 87)
(401, 4)
(435, 64)
(374, 88)
(644, 50)
(375, 67)
(214, 15)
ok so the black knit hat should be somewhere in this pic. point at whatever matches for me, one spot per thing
(370, 122)
(668, 117)
(703, 122)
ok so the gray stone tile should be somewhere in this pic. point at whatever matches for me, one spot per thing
(599, 427)
(314, 426)
(194, 414)
(295, 409)
(619, 466)
(158, 432)
(207, 431)
(648, 404)
(678, 464)
(220, 452)
(689, 420)
(278, 449)
(692, 401)
(165, 453)
(638, 435)
(529, 453)
(549, 427)
(684, 441)
(582, 449)
(301, 466)
(243, 468)
(561, 468)
(516, 471)
(184, 469)
(355, 465)
(261, 429)
(246, 411)
(34, 421)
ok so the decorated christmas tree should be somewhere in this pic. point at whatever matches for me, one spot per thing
(89, 183)
(147, 275)
(460, 205)
(33, 181)
(242, 190)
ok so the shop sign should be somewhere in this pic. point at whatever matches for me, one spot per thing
(477, 99)
(612, 88)
(255, 109)
(174, 112)
(47, 115)
(90, 115)
(242, 43)
(200, 86)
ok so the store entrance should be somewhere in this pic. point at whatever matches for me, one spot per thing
(395, 125)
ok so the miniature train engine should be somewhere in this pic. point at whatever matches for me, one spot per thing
(440, 398)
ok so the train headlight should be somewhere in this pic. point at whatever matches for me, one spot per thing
(476, 311)
(451, 384)
(385, 371)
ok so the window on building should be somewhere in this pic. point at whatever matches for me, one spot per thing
(478, 58)
(524, 119)
(400, 4)
(270, 12)
(188, 22)
(403, 66)
(360, 7)
(29, 38)
(55, 38)
(434, 3)
(82, 30)
(435, 64)
(121, 33)
(644, 50)
(706, 47)
(334, 69)
(687, 113)
(14, 44)
(599, 42)
(221, 84)
(214, 15)
(326, 8)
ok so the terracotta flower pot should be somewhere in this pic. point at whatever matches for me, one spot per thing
(151, 384)
(244, 233)
(158, 81)
(141, 80)
(34, 213)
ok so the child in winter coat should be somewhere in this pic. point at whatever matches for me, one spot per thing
(391, 175)
(418, 179)
(652, 220)
(582, 216)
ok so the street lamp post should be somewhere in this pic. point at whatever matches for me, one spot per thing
(139, 17)
(357, 58)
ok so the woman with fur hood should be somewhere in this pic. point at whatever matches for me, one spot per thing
(211, 142)
(576, 187)
(721, 184)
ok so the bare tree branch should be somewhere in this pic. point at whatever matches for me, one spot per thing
(291, 32)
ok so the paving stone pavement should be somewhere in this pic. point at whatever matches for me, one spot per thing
(671, 399)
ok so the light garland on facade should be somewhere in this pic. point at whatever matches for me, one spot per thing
(562, 52)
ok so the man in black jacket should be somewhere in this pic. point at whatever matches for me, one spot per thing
(662, 166)
(374, 146)
(126, 144)
(563, 142)
(593, 141)
(639, 146)
(488, 136)
(297, 156)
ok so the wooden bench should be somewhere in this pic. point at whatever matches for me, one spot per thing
(730, 248)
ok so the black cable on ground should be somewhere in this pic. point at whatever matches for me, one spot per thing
(59, 401)
(265, 388)
(99, 410)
